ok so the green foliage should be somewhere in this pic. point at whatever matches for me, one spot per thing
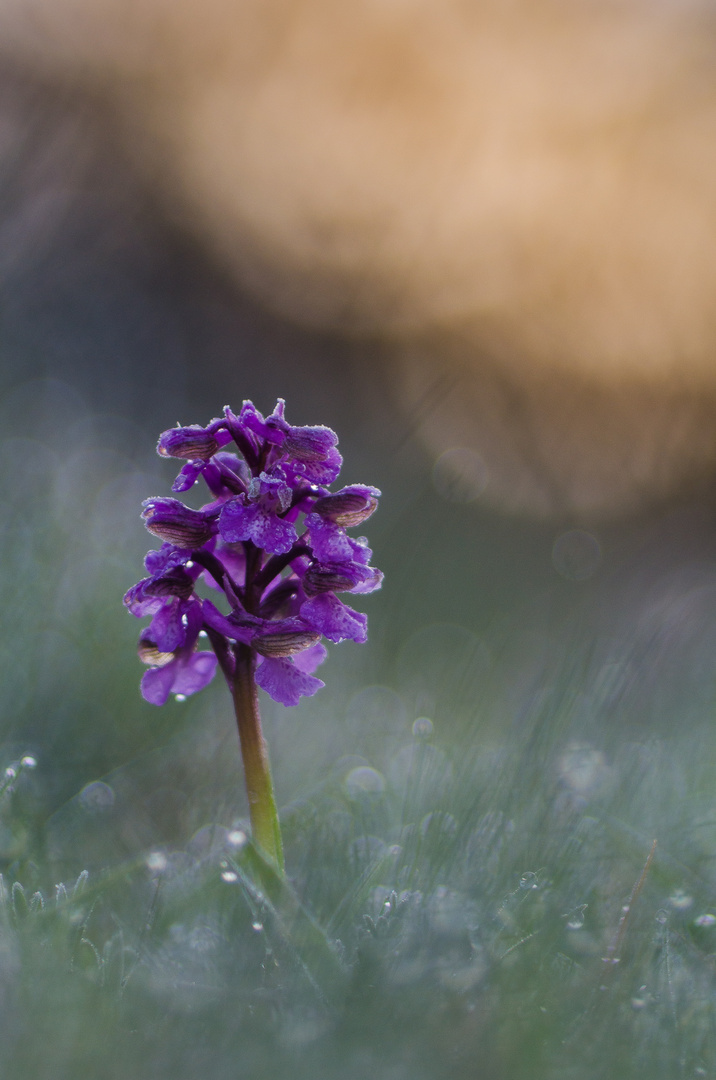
(428, 928)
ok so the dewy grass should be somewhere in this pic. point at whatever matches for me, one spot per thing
(280, 584)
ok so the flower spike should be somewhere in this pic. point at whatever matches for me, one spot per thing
(273, 541)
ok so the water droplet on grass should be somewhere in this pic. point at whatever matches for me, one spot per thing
(230, 876)
(97, 797)
(422, 727)
(365, 781)
(705, 920)
(257, 926)
(575, 919)
(681, 900)
(156, 862)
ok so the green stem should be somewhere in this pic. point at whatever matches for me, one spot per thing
(257, 771)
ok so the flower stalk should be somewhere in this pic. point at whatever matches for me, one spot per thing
(263, 813)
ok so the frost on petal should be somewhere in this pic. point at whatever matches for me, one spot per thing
(316, 472)
(156, 684)
(285, 682)
(195, 673)
(334, 619)
(232, 521)
(272, 533)
(329, 542)
(310, 444)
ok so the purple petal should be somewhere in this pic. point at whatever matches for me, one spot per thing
(195, 673)
(334, 619)
(156, 683)
(284, 682)
(168, 556)
(316, 472)
(349, 506)
(310, 444)
(137, 601)
(329, 541)
(188, 475)
(216, 621)
(240, 522)
(309, 659)
(272, 429)
(167, 629)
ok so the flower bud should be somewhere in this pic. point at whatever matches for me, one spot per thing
(285, 643)
(187, 442)
(350, 506)
(170, 520)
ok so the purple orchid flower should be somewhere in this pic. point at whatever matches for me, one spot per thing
(273, 540)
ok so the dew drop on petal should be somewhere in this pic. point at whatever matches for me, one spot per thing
(180, 697)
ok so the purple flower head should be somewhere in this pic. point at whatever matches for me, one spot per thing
(272, 540)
